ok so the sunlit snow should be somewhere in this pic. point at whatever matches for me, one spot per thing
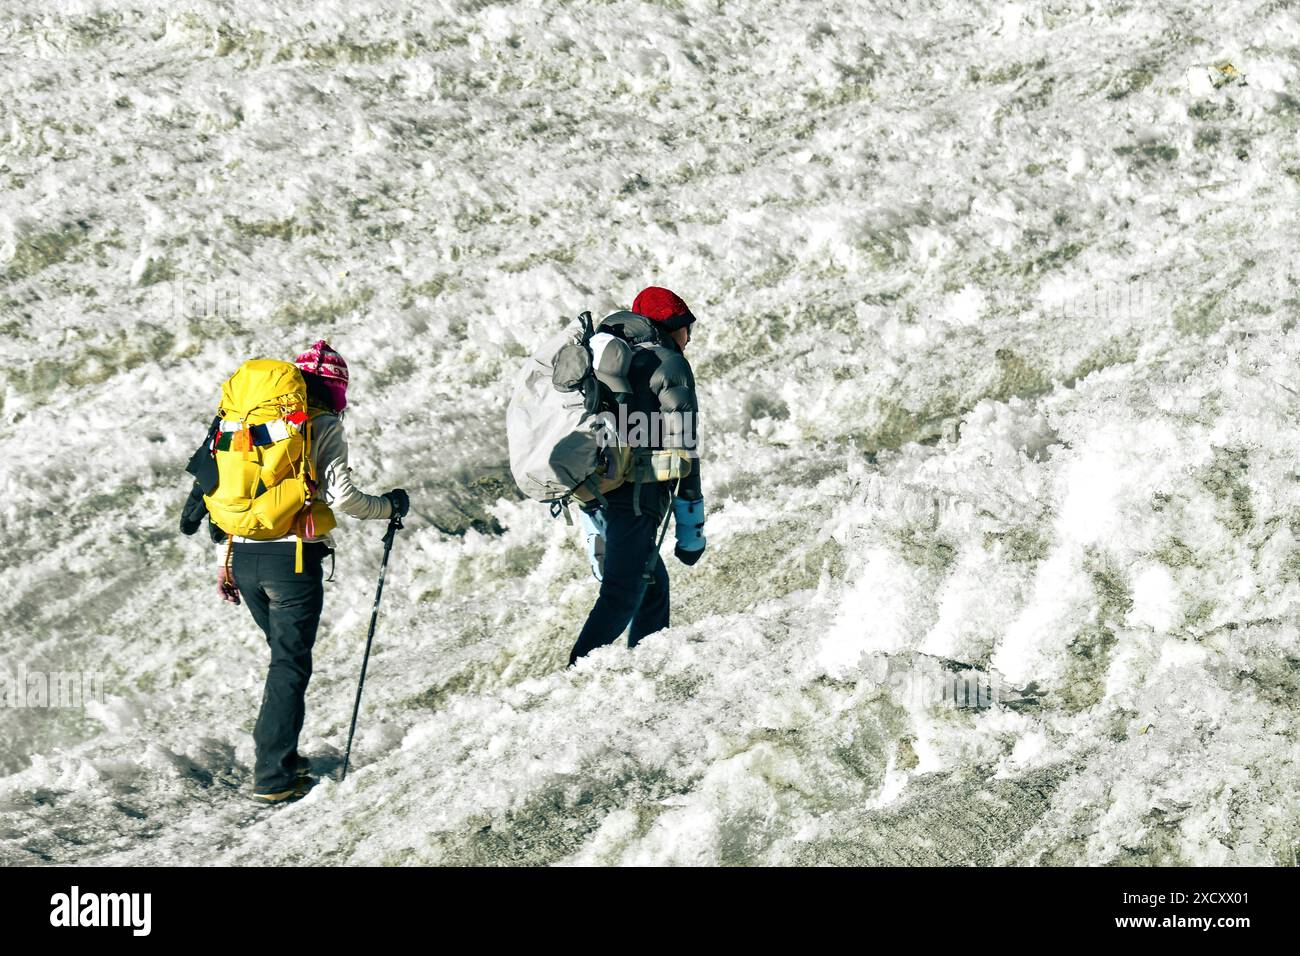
(997, 356)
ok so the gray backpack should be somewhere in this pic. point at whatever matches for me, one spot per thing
(563, 444)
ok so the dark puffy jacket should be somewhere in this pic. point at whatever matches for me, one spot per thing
(662, 383)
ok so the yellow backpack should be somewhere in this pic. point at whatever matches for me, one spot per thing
(265, 476)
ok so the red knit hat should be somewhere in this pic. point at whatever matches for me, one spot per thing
(662, 306)
(322, 360)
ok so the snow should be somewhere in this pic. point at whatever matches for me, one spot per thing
(996, 348)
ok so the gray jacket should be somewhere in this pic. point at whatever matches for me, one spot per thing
(663, 387)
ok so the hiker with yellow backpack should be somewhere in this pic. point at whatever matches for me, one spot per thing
(270, 476)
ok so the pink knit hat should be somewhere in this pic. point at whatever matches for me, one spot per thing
(322, 360)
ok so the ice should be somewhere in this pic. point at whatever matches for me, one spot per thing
(997, 355)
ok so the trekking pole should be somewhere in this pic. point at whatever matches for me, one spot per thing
(648, 574)
(1277, 383)
(394, 525)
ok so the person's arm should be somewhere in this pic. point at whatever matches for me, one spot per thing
(334, 476)
(195, 510)
(674, 384)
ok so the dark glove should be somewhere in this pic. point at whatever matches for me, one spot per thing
(688, 557)
(226, 583)
(194, 510)
(688, 519)
(400, 501)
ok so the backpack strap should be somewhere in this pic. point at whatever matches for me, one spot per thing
(640, 461)
(562, 505)
(636, 486)
(308, 466)
(590, 386)
(308, 474)
(594, 488)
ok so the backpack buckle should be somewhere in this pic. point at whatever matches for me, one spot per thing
(562, 505)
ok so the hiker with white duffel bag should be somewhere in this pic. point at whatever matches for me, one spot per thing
(603, 421)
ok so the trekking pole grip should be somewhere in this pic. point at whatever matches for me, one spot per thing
(394, 526)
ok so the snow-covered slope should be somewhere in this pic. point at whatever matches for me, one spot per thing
(996, 343)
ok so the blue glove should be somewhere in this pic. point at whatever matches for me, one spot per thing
(593, 529)
(688, 518)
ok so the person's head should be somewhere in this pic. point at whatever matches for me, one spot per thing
(667, 311)
(326, 375)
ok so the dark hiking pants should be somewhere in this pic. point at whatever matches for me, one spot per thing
(286, 606)
(627, 601)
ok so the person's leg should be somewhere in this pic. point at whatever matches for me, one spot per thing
(244, 566)
(629, 540)
(652, 615)
(295, 602)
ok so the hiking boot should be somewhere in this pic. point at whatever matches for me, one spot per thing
(296, 791)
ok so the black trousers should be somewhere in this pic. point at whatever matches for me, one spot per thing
(627, 601)
(287, 607)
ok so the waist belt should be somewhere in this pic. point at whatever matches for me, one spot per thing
(286, 548)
